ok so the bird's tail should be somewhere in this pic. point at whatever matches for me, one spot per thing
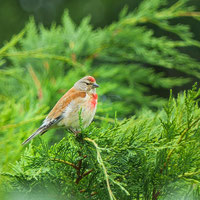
(40, 130)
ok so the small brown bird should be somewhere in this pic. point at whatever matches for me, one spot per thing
(81, 97)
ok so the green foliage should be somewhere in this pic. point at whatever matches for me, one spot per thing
(151, 154)
(145, 157)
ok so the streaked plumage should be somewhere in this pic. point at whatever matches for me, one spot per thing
(82, 96)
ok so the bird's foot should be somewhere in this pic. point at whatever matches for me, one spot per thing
(76, 133)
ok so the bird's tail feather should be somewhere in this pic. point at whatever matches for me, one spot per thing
(40, 130)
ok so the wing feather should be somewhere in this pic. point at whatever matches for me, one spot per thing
(64, 101)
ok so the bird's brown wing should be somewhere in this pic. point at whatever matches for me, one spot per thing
(55, 114)
(64, 101)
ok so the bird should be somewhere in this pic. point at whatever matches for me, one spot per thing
(80, 100)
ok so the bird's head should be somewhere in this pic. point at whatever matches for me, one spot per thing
(86, 84)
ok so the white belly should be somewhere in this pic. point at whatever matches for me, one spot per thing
(73, 110)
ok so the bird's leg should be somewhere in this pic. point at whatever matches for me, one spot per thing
(76, 133)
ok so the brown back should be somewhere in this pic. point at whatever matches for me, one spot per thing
(64, 102)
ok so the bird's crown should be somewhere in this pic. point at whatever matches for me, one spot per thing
(87, 83)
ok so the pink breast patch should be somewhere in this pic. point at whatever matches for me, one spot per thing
(94, 100)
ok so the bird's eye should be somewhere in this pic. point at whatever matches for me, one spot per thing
(87, 83)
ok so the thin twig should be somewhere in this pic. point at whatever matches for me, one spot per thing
(187, 174)
(65, 162)
(155, 194)
(83, 175)
(100, 160)
(88, 172)
(37, 82)
(188, 14)
(159, 15)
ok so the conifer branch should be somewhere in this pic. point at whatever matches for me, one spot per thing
(77, 167)
(158, 16)
(179, 140)
(157, 193)
(9, 126)
(107, 119)
(36, 54)
(78, 171)
(12, 42)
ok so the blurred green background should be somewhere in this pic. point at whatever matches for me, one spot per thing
(14, 15)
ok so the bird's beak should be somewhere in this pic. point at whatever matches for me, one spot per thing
(95, 85)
